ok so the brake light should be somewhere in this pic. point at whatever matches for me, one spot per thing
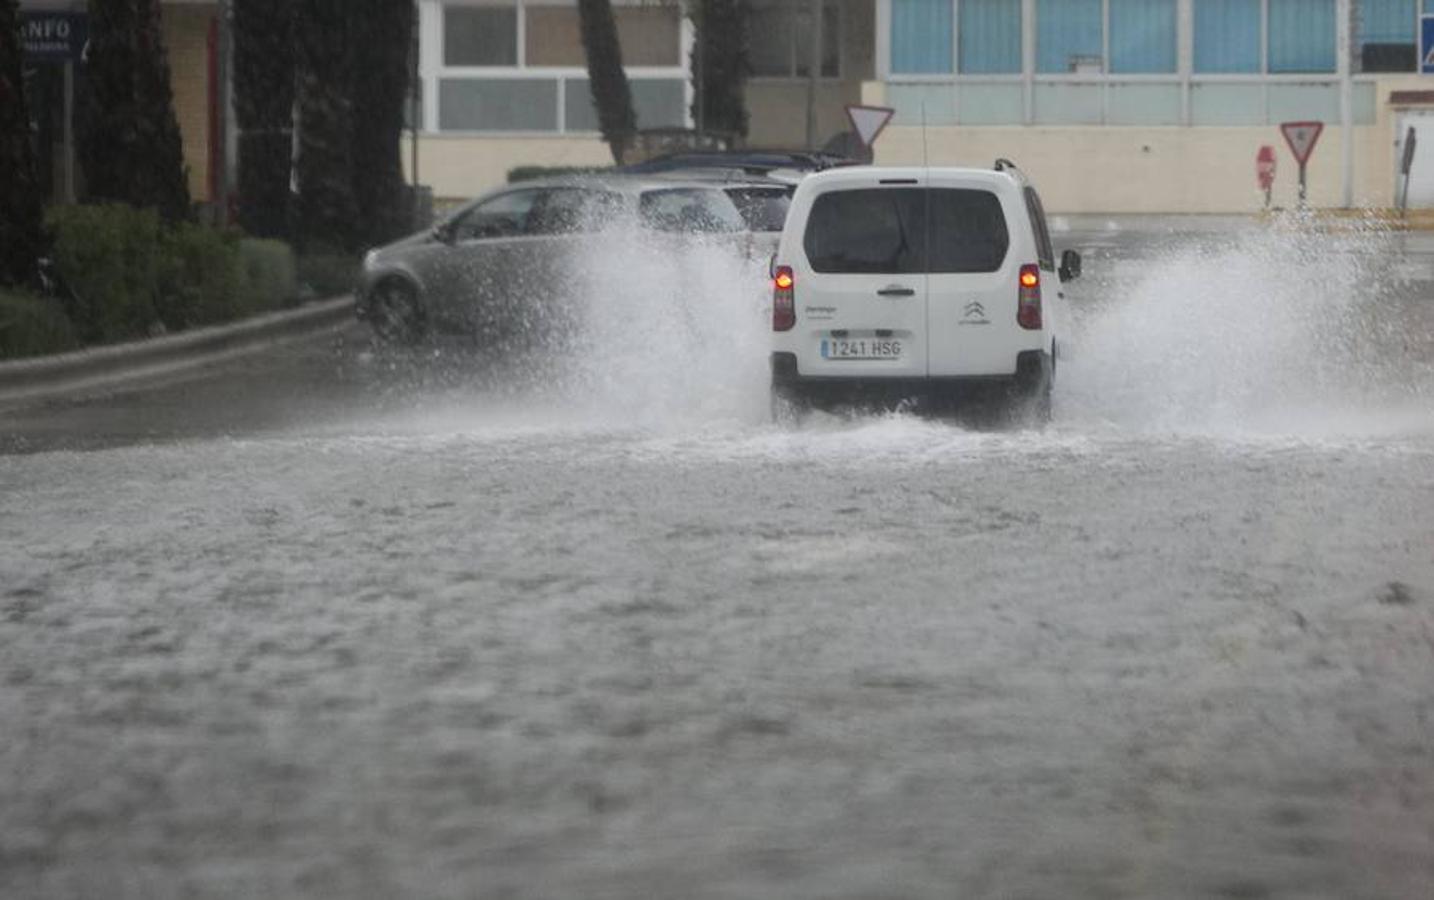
(1028, 298)
(784, 304)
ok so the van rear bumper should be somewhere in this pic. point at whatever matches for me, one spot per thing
(1033, 368)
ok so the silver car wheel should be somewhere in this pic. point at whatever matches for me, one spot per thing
(395, 313)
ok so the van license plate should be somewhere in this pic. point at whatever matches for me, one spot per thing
(862, 348)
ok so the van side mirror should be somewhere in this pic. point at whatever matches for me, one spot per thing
(1070, 265)
(443, 232)
(772, 266)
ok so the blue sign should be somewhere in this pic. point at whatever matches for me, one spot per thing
(53, 37)
(1426, 45)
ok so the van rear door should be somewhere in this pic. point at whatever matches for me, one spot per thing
(972, 278)
(860, 287)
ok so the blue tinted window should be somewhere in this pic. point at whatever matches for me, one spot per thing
(1142, 35)
(1227, 35)
(920, 36)
(1302, 35)
(1068, 36)
(1386, 21)
(990, 33)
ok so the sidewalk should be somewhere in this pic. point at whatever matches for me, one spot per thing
(42, 377)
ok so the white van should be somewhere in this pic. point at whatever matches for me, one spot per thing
(928, 283)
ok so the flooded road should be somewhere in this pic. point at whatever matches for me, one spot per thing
(333, 622)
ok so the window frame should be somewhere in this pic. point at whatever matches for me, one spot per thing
(790, 8)
(1115, 99)
(457, 223)
(1045, 250)
(434, 70)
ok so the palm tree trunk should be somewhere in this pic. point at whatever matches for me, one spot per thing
(264, 108)
(22, 238)
(611, 93)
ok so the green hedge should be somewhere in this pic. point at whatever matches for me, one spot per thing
(270, 275)
(130, 276)
(327, 274)
(30, 326)
(109, 258)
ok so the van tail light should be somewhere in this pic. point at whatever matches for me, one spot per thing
(784, 303)
(1028, 298)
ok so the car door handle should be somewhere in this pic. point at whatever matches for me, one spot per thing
(896, 290)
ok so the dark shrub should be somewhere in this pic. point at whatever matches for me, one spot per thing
(270, 277)
(31, 325)
(109, 258)
(327, 274)
(129, 276)
(200, 280)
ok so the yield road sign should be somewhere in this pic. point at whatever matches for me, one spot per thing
(868, 121)
(1302, 137)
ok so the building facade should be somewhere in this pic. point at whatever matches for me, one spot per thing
(504, 82)
(1113, 105)
(1153, 105)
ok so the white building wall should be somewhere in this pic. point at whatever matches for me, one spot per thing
(1111, 169)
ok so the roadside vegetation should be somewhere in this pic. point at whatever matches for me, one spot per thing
(139, 258)
(121, 273)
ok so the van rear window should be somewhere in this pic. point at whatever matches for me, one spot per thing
(884, 231)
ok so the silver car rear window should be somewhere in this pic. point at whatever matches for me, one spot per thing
(689, 210)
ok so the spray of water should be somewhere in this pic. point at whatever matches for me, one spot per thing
(1283, 327)
(670, 329)
(1268, 329)
(617, 328)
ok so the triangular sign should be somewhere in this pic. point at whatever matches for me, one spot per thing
(867, 121)
(1302, 137)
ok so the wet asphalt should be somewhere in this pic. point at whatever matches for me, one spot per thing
(337, 621)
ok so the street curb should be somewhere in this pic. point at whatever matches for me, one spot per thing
(36, 378)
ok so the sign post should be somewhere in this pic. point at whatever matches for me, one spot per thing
(1265, 171)
(867, 123)
(1406, 163)
(58, 38)
(1302, 137)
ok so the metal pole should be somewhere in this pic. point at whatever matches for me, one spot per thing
(701, 69)
(416, 111)
(219, 153)
(1346, 102)
(814, 72)
(69, 161)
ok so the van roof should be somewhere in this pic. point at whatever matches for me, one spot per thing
(855, 175)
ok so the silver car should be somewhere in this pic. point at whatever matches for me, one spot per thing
(496, 266)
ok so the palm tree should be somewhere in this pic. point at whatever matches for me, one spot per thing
(327, 207)
(130, 145)
(264, 108)
(611, 93)
(720, 66)
(22, 237)
(382, 76)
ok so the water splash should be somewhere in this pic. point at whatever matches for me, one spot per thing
(1283, 327)
(670, 330)
(1274, 329)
